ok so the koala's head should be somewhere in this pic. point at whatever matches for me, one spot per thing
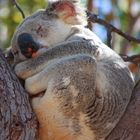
(45, 28)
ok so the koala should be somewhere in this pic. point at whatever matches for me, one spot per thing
(79, 87)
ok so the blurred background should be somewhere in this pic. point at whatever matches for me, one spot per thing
(123, 14)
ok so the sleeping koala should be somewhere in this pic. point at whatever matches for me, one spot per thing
(86, 86)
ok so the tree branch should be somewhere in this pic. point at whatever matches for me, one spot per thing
(134, 58)
(110, 28)
(109, 38)
(94, 18)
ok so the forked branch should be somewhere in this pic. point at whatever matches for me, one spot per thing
(110, 28)
(95, 19)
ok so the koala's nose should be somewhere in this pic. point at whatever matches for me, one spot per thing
(27, 44)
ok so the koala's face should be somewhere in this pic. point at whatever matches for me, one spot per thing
(38, 31)
(45, 28)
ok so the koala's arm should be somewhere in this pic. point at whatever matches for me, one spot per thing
(60, 72)
(34, 65)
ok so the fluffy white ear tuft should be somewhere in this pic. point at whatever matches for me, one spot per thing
(67, 10)
(64, 8)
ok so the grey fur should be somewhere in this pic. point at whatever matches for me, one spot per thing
(88, 81)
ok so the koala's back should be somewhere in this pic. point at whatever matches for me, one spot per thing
(86, 95)
(87, 85)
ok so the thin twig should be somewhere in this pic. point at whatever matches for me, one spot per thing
(134, 58)
(95, 19)
(109, 38)
(18, 7)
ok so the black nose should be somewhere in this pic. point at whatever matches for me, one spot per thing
(27, 45)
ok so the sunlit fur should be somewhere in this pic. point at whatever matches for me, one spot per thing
(82, 87)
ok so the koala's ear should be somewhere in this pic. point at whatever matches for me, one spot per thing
(69, 11)
(63, 8)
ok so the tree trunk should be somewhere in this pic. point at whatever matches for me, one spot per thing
(17, 121)
(129, 126)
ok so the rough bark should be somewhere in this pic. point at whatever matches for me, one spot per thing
(17, 121)
(129, 126)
